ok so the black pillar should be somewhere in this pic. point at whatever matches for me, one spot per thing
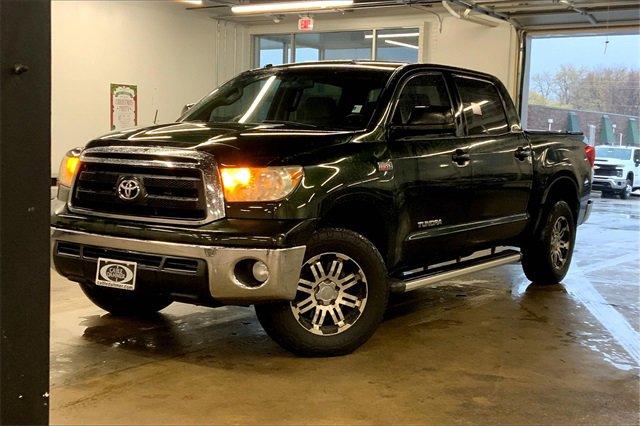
(25, 116)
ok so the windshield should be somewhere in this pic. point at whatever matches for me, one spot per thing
(324, 98)
(617, 153)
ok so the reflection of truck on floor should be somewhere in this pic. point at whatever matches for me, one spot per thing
(617, 170)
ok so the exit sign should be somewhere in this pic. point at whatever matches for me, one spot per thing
(305, 24)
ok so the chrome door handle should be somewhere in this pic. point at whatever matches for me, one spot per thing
(460, 157)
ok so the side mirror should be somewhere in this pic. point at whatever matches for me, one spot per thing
(186, 108)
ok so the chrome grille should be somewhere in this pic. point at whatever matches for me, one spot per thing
(178, 185)
(605, 171)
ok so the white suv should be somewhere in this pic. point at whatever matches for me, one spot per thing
(617, 170)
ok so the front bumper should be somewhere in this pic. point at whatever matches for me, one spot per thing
(216, 271)
(608, 184)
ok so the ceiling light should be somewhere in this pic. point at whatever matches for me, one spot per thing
(293, 6)
(399, 35)
(195, 2)
(399, 43)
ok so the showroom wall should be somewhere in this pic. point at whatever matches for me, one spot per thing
(168, 52)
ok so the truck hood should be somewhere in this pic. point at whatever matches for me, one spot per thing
(232, 144)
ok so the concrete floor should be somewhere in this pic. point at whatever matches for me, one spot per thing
(487, 348)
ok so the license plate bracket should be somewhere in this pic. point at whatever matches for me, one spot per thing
(116, 274)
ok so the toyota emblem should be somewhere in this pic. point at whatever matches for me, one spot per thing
(129, 189)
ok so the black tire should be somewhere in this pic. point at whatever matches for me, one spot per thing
(124, 303)
(538, 261)
(626, 192)
(298, 335)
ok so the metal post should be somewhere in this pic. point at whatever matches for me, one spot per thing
(25, 84)
(592, 134)
(374, 45)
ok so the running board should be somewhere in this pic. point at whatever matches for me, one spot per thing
(455, 270)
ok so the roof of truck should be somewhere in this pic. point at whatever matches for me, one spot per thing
(374, 64)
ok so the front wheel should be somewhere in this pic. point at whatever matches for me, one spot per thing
(341, 297)
(628, 189)
(546, 258)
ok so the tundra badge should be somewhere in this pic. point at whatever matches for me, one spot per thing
(429, 223)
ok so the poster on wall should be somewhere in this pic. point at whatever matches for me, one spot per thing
(124, 106)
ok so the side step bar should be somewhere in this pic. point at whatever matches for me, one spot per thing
(455, 270)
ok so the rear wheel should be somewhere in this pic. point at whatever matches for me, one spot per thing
(547, 257)
(341, 298)
(124, 303)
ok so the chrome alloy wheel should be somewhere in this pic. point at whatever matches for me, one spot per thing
(332, 294)
(560, 242)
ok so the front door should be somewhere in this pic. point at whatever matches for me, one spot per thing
(432, 170)
(501, 162)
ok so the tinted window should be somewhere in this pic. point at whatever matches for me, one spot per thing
(423, 92)
(317, 103)
(342, 99)
(482, 106)
(636, 155)
(240, 102)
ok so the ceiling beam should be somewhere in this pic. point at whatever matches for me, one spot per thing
(569, 11)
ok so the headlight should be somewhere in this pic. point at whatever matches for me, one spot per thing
(619, 172)
(259, 183)
(69, 167)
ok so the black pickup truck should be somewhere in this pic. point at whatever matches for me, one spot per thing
(315, 190)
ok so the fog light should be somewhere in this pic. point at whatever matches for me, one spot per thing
(260, 271)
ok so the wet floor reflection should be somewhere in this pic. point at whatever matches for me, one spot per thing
(489, 348)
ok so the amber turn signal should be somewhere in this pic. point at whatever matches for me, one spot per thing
(68, 168)
(246, 184)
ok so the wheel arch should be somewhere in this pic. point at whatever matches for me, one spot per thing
(563, 186)
(364, 213)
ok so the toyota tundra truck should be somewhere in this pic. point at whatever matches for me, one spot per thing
(313, 191)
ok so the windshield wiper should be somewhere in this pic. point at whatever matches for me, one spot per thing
(291, 123)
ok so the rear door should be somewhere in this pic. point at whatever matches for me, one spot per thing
(501, 162)
(432, 172)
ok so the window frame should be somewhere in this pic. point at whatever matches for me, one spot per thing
(255, 55)
(510, 130)
(395, 98)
